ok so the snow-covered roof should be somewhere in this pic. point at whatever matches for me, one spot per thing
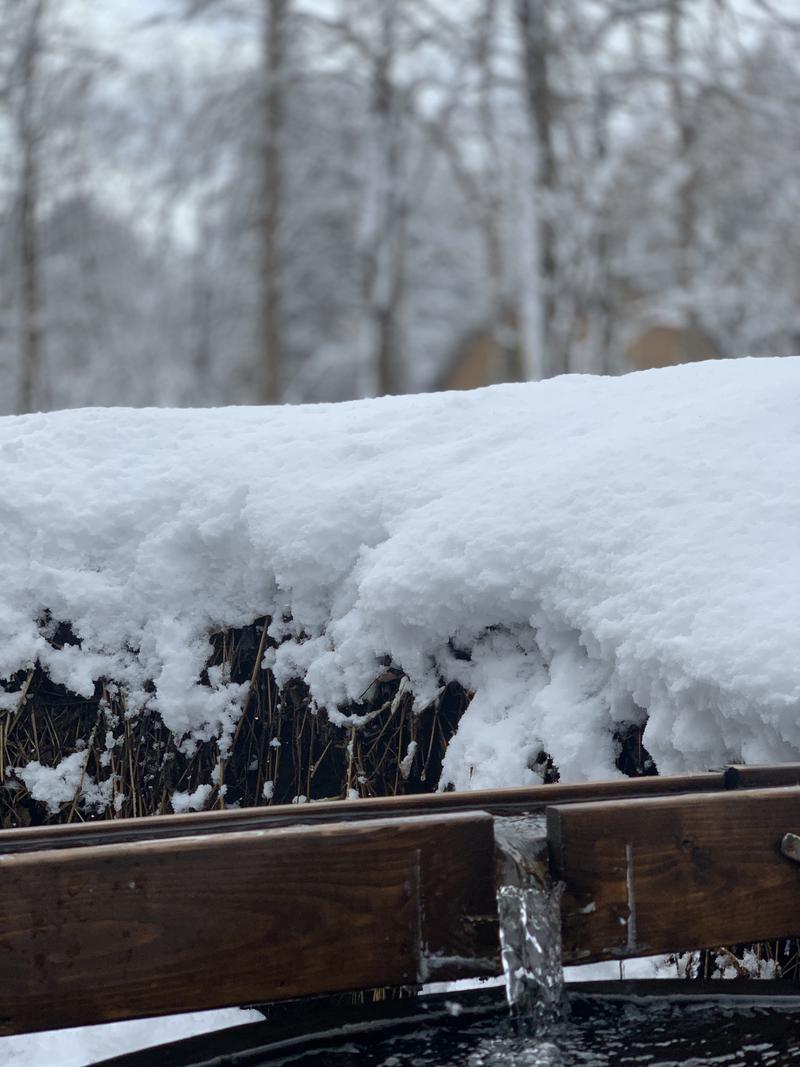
(599, 546)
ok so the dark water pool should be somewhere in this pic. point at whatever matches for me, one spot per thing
(597, 1033)
(473, 1030)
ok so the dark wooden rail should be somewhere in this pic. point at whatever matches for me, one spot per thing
(531, 800)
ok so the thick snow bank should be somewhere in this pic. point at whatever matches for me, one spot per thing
(598, 545)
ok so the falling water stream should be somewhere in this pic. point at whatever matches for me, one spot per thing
(528, 906)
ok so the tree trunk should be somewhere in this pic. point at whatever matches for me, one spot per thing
(503, 319)
(383, 230)
(30, 275)
(271, 325)
(600, 309)
(686, 223)
(534, 29)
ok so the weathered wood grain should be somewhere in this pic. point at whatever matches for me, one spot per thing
(497, 801)
(92, 934)
(656, 875)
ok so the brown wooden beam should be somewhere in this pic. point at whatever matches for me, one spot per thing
(657, 875)
(191, 912)
(530, 800)
(762, 776)
(91, 935)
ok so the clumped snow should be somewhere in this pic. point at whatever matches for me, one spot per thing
(579, 552)
(55, 786)
(195, 801)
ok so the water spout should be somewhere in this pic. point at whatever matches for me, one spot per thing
(528, 906)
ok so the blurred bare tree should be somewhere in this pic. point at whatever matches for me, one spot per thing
(22, 92)
(216, 201)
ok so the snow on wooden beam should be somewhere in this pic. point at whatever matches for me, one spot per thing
(657, 875)
(92, 935)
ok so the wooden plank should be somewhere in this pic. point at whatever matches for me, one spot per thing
(92, 935)
(530, 800)
(663, 874)
(762, 776)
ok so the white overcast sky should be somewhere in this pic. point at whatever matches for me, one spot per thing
(123, 28)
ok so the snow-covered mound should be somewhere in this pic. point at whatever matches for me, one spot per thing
(598, 546)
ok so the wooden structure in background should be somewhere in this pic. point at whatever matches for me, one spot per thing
(478, 360)
(129, 918)
(669, 346)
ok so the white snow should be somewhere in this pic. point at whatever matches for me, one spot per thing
(68, 781)
(88, 1044)
(194, 801)
(600, 546)
(54, 786)
(407, 761)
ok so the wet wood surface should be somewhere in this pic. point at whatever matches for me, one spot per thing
(92, 935)
(670, 873)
